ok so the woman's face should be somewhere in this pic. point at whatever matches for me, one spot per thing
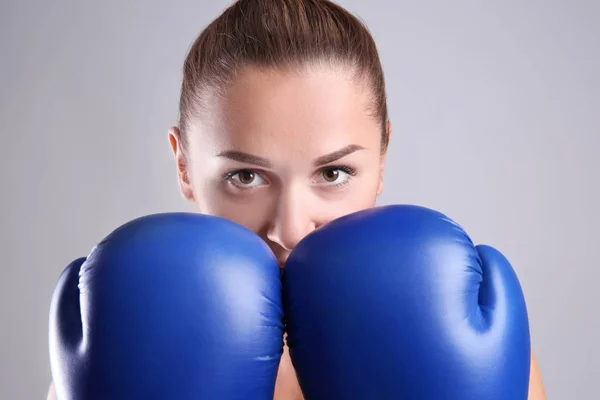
(284, 153)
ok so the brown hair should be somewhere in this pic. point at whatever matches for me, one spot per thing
(283, 34)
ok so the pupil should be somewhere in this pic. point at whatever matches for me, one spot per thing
(246, 177)
(331, 175)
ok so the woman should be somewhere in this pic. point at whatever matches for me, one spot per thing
(284, 126)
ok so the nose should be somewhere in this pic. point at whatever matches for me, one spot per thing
(291, 221)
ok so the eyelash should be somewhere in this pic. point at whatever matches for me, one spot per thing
(342, 167)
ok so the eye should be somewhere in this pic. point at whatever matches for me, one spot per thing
(245, 178)
(331, 175)
(336, 175)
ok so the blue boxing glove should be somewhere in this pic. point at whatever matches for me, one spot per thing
(169, 306)
(397, 303)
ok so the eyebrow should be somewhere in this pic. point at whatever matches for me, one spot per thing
(263, 162)
(245, 158)
(336, 155)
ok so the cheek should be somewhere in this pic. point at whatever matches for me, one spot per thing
(212, 197)
(251, 212)
(360, 195)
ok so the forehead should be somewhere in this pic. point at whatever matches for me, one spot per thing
(272, 112)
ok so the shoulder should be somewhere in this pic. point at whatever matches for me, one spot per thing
(536, 386)
(51, 393)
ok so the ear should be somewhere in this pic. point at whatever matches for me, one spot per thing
(388, 134)
(181, 161)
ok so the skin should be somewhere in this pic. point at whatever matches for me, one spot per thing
(290, 120)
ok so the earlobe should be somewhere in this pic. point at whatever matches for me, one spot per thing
(380, 189)
(386, 141)
(185, 186)
(381, 170)
(381, 173)
(388, 134)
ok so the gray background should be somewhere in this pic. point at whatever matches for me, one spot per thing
(496, 112)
